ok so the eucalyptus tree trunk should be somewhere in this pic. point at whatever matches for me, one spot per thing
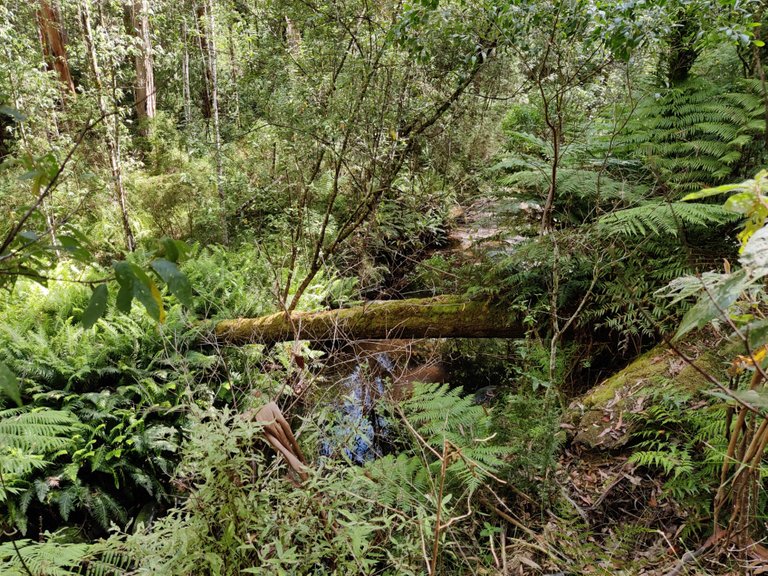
(144, 91)
(233, 72)
(185, 74)
(111, 124)
(213, 74)
(54, 44)
(202, 43)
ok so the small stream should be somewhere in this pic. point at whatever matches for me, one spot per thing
(360, 431)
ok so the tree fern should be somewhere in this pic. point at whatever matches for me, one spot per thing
(583, 182)
(694, 135)
(663, 219)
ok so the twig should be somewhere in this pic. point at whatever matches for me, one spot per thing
(690, 556)
(48, 189)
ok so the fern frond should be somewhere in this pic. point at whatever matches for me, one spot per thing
(49, 558)
(661, 219)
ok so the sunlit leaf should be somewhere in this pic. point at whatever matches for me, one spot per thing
(755, 253)
(741, 203)
(146, 292)
(708, 192)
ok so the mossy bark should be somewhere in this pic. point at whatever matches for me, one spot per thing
(601, 418)
(437, 317)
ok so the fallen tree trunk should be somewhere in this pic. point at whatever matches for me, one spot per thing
(437, 317)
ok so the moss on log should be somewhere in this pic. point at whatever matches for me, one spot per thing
(602, 417)
(437, 317)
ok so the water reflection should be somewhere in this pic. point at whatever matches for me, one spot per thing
(359, 431)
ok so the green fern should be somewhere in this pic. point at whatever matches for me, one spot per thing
(450, 424)
(695, 135)
(26, 438)
(663, 219)
(671, 459)
(50, 558)
(686, 445)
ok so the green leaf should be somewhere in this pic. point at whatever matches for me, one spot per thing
(13, 113)
(96, 307)
(74, 247)
(134, 283)
(49, 166)
(741, 203)
(169, 249)
(175, 279)
(9, 384)
(754, 398)
(707, 192)
(29, 236)
(146, 292)
(124, 276)
(757, 332)
(714, 303)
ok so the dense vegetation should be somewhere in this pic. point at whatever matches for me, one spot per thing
(589, 172)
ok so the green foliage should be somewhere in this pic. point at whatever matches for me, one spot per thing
(27, 440)
(694, 135)
(655, 218)
(453, 425)
(50, 558)
(720, 292)
(528, 423)
(113, 382)
(684, 439)
(243, 517)
(175, 192)
(231, 283)
(584, 186)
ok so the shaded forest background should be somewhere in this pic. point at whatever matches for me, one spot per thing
(585, 174)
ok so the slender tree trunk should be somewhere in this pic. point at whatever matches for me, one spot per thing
(202, 44)
(682, 48)
(144, 91)
(215, 115)
(233, 75)
(758, 61)
(54, 46)
(185, 75)
(111, 128)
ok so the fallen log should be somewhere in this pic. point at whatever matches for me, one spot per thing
(436, 317)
